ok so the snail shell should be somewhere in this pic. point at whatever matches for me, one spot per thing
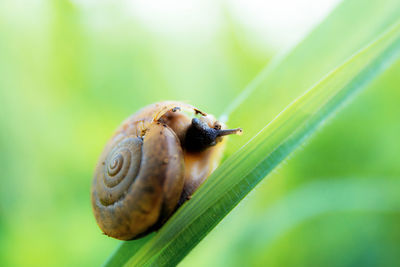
(153, 163)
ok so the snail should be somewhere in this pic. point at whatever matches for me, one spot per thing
(152, 164)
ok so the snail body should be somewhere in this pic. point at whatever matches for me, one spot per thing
(153, 163)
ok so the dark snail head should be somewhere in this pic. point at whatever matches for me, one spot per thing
(200, 135)
(150, 165)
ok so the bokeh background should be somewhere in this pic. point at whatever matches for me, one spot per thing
(71, 71)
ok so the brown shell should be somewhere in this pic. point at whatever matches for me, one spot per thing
(144, 172)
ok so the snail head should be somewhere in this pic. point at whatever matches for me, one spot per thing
(200, 135)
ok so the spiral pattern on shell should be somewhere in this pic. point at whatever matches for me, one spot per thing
(121, 167)
(138, 181)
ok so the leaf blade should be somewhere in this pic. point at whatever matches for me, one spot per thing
(311, 200)
(233, 180)
(352, 25)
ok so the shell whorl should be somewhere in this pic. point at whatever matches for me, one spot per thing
(120, 169)
(138, 181)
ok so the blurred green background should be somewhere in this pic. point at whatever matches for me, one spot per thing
(71, 71)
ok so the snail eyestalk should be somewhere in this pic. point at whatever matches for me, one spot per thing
(200, 135)
(237, 131)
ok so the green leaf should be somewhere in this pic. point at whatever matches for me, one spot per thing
(349, 28)
(126, 250)
(342, 34)
(311, 200)
(241, 172)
